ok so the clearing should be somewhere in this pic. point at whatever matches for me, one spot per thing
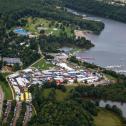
(107, 118)
(60, 95)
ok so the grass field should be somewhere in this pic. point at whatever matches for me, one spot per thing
(59, 94)
(107, 118)
(42, 64)
(49, 26)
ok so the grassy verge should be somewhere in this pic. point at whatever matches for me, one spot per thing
(111, 77)
(107, 118)
(6, 89)
(33, 111)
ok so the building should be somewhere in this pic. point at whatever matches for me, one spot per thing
(11, 61)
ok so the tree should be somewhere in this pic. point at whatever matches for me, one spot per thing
(16, 66)
(42, 32)
(64, 113)
(1, 63)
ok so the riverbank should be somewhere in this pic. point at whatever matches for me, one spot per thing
(1, 101)
(119, 105)
(108, 9)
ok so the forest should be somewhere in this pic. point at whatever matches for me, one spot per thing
(51, 111)
(108, 92)
(99, 8)
(58, 42)
(72, 109)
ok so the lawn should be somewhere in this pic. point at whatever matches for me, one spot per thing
(107, 118)
(52, 27)
(42, 64)
(59, 94)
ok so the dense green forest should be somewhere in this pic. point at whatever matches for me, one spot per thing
(108, 92)
(100, 8)
(68, 112)
(62, 41)
(72, 109)
(10, 47)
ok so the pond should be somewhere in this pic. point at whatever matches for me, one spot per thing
(21, 31)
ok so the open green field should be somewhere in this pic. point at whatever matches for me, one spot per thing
(107, 118)
(42, 64)
(59, 94)
(50, 27)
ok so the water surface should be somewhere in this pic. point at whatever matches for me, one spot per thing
(121, 106)
(110, 45)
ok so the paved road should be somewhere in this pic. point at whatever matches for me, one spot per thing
(18, 109)
(1, 100)
(28, 114)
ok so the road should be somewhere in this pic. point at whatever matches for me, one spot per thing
(18, 109)
(1, 100)
(7, 111)
(28, 114)
(40, 52)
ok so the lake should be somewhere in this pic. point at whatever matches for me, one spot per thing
(109, 50)
(110, 45)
